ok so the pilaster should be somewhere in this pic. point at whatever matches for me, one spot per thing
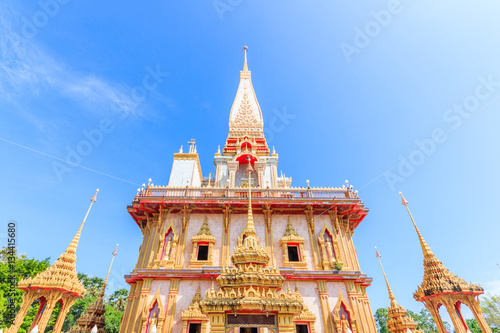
(155, 230)
(232, 167)
(127, 315)
(312, 236)
(147, 242)
(141, 303)
(217, 322)
(285, 323)
(268, 219)
(336, 247)
(186, 213)
(226, 235)
(172, 300)
(325, 307)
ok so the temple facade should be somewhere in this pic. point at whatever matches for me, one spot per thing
(244, 251)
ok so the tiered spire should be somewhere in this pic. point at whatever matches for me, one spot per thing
(246, 125)
(248, 249)
(94, 314)
(251, 283)
(398, 320)
(62, 274)
(437, 278)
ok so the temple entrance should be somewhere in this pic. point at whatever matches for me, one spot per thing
(249, 330)
(251, 323)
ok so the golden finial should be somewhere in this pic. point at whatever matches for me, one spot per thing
(101, 293)
(74, 243)
(250, 225)
(115, 252)
(391, 295)
(425, 248)
(245, 66)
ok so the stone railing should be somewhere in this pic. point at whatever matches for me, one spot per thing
(216, 192)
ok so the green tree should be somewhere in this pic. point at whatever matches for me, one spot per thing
(113, 319)
(22, 268)
(118, 299)
(381, 320)
(114, 310)
(473, 326)
(490, 305)
(425, 321)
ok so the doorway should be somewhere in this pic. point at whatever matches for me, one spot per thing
(249, 330)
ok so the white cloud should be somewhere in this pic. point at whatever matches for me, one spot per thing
(26, 71)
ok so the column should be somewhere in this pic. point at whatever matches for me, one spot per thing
(27, 301)
(44, 320)
(473, 304)
(435, 315)
(457, 322)
(62, 314)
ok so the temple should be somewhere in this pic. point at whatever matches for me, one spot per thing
(244, 251)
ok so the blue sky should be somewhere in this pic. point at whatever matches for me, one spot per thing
(389, 95)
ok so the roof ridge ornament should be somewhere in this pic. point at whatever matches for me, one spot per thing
(245, 66)
(245, 118)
